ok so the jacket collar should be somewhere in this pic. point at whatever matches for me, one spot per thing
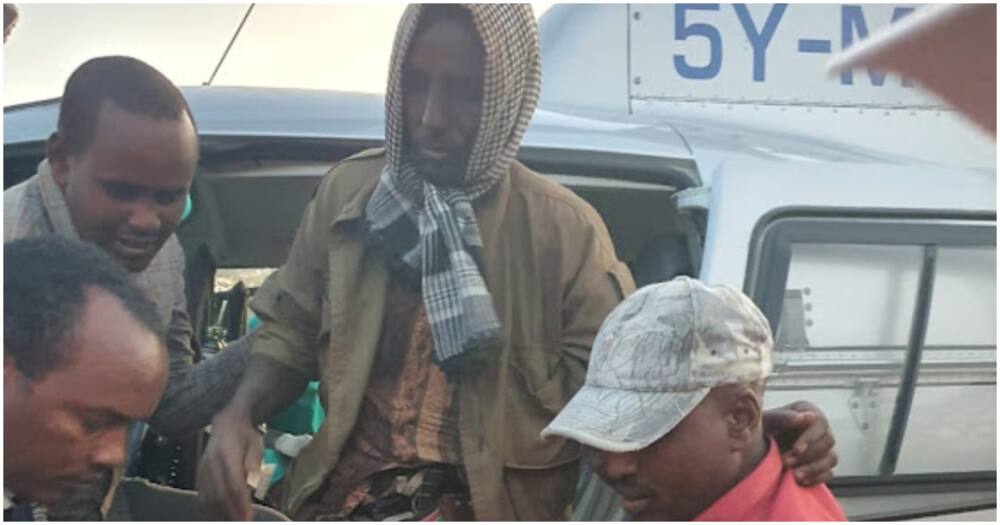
(54, 202)
(490, 207)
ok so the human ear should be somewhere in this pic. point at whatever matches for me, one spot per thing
(744, 417)
(55, 153)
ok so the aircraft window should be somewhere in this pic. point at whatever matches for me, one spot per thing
(890, 326)
(868, 288)
(947, 417)
(966, 282)
(849, 308)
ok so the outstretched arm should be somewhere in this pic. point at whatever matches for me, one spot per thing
(234, 450)
(284, 357)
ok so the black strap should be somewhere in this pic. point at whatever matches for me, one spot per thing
(439, 480)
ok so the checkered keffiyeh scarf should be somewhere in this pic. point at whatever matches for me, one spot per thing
(432, 229)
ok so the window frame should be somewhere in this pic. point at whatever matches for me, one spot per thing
(767, 276)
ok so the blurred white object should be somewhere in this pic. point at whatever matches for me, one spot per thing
(291, 445)
(264, 481)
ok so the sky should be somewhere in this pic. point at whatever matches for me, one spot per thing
(321, 46)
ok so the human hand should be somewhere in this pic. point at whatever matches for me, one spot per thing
(805, 440)
(231, 458)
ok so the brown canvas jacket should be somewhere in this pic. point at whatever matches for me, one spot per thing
(554, 276)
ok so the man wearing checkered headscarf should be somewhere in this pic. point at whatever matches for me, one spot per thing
(433, 229)
(445, 296)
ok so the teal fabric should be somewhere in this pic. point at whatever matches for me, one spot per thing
(273, 457)
(304, 416)
(253, 323)
(188, 206)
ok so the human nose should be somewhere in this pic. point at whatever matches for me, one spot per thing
(145, 218)
(615, 466)
(110, 449)
(434, 114)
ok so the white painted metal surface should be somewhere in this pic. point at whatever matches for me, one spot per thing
(743, 191)
(643, 61)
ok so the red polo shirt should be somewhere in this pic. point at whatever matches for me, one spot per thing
(770, 493)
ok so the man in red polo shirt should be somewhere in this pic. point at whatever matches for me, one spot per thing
(671, 411)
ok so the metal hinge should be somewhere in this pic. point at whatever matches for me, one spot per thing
(863, 404)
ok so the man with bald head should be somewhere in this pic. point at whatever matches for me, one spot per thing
(116, 174)
(83, 357)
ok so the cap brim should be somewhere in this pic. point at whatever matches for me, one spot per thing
(616, 420)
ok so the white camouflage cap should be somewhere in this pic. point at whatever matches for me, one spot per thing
(657, 355)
